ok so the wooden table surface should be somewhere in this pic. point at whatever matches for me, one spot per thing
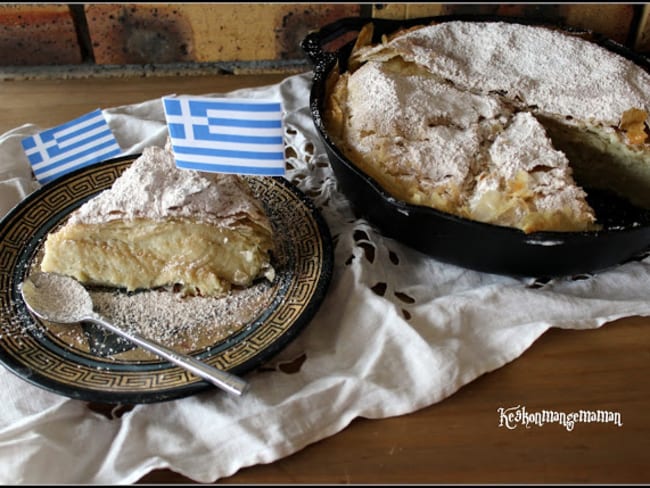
(459, 440)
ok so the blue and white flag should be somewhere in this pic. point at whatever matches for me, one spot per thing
(226, 135)
(80, 142)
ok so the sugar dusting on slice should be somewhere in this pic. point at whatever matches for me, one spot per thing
(154, 188)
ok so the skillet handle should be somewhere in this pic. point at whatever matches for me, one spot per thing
(313, 44)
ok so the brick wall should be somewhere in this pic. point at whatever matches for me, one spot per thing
(105, 34)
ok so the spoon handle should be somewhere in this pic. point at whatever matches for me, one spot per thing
(219, 378)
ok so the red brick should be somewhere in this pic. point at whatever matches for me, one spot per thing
(138, 33)
(400, 11)
(38, 35)
(295, 22)
(165, 33)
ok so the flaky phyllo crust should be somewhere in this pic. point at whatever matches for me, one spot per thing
(160, 226)
(477, 120)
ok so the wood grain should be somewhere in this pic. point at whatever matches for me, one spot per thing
(459, 440)
(48, 103)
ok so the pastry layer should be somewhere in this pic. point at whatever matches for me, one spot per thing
(141, 254)
(162, 226)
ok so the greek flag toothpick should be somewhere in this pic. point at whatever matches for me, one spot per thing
(226, 135)
(80, 142)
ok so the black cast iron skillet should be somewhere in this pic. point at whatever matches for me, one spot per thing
(484, 247)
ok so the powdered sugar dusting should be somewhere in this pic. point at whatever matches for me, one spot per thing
(523, 146)
(410, 105)
(56, 297)
(580, 78)
(154, 188)
(418, 119)
(182, 322)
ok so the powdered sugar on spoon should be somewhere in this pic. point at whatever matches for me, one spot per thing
(57, 298)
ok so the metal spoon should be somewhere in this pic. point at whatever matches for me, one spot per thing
(62, 299)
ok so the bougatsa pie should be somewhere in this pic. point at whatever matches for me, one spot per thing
(496, 122)
(161, 226)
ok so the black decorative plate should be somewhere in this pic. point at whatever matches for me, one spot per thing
(45, 355)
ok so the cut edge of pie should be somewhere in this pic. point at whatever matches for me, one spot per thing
(161, 226)
(422, 113)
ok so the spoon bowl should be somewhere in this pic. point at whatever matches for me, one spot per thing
(56, 298)
(62, 299)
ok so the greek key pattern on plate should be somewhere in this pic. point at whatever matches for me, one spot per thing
(25, 343)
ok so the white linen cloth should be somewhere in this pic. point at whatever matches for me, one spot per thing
(367, 353)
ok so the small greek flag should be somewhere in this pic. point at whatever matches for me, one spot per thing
(226, 135)
(80, 142)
